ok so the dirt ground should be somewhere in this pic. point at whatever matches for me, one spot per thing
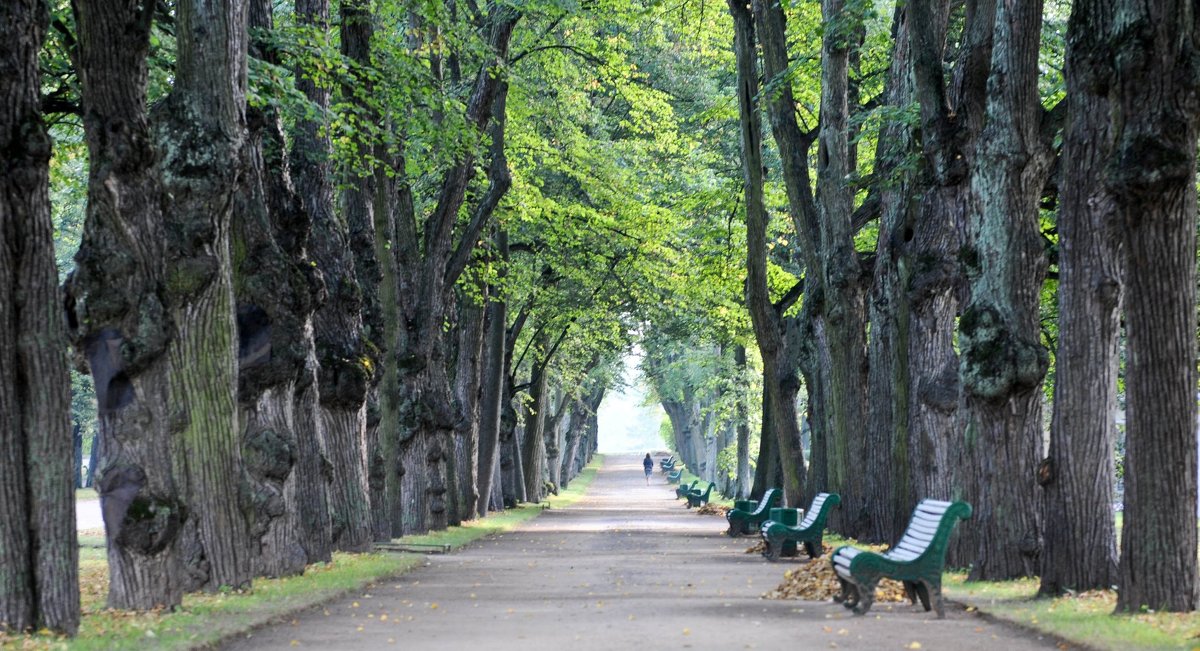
(627, 567)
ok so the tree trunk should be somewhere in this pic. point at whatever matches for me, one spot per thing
(492, 390)
(1003, 360)
(766, 468)
(39, 577)
(842, 304)
(117, 308)
(467, 386)
(77, 449)
(512, 475)
(275, 292)
(1152, 179)
(89, 479)
(359, 198)
(1079, 551)
(952, 115)
(310, 158)
(533, 447)
(200, 130)
(742, 417)
(383, 479)
(886, 472)
(768, 329)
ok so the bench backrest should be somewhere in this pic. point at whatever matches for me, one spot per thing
(928, 532)
(818, 511)
(708, 492)
(769, 501)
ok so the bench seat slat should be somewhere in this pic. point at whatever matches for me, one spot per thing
(925, 521)
(918, 535)
(910, 547)
(901, 555)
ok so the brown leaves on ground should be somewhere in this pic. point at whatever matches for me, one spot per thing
(816, 581)
(712, 509)
(758, 548)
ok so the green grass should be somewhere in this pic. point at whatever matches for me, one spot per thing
(86, 494)
(205, 619)
(1086, 619)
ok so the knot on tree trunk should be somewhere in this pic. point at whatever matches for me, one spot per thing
(996, 361)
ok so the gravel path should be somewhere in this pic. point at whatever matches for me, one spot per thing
(627, 567)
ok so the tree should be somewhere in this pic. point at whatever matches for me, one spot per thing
(344, 369)
(431, 258)
(1079, 551)
(117, 308)
(952, 112)
(779, 374)
(1152, 177)
(39, 580)
(276, 289)
(1003, 360)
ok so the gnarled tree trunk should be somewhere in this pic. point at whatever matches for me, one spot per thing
(1003, 361)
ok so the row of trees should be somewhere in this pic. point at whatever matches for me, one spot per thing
(990, 171)
(346, 273)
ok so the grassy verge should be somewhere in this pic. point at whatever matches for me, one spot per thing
(205, 619)
(1085, 619)
(86, 494)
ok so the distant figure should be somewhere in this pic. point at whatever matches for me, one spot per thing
(648, 464)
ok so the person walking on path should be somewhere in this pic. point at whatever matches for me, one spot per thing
(648, 464)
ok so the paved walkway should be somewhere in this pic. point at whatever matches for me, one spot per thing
(627, 567)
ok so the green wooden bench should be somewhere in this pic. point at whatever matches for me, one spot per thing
(674, 476)
(917, 560)
(746, 520)
(810, 531)
(667, 464)
(696, 498)
(682, 491)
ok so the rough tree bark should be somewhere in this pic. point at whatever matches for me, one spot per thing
(467, 386)
(311, 172)
(359, 199)
(117, 308)
(1079, 549)
(952, 115)
(1003, 361)
(492, 385)
(533, 448)
(886, 474)
(583, 416)
(345, 372)
(1152, 179)
(200, 130)
(39, 577)
(842, 280)
(778, 374)
(276, 289)
(512, 475)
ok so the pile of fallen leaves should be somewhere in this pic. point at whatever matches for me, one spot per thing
(758, 548)
(712, 509)
(816, 581)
